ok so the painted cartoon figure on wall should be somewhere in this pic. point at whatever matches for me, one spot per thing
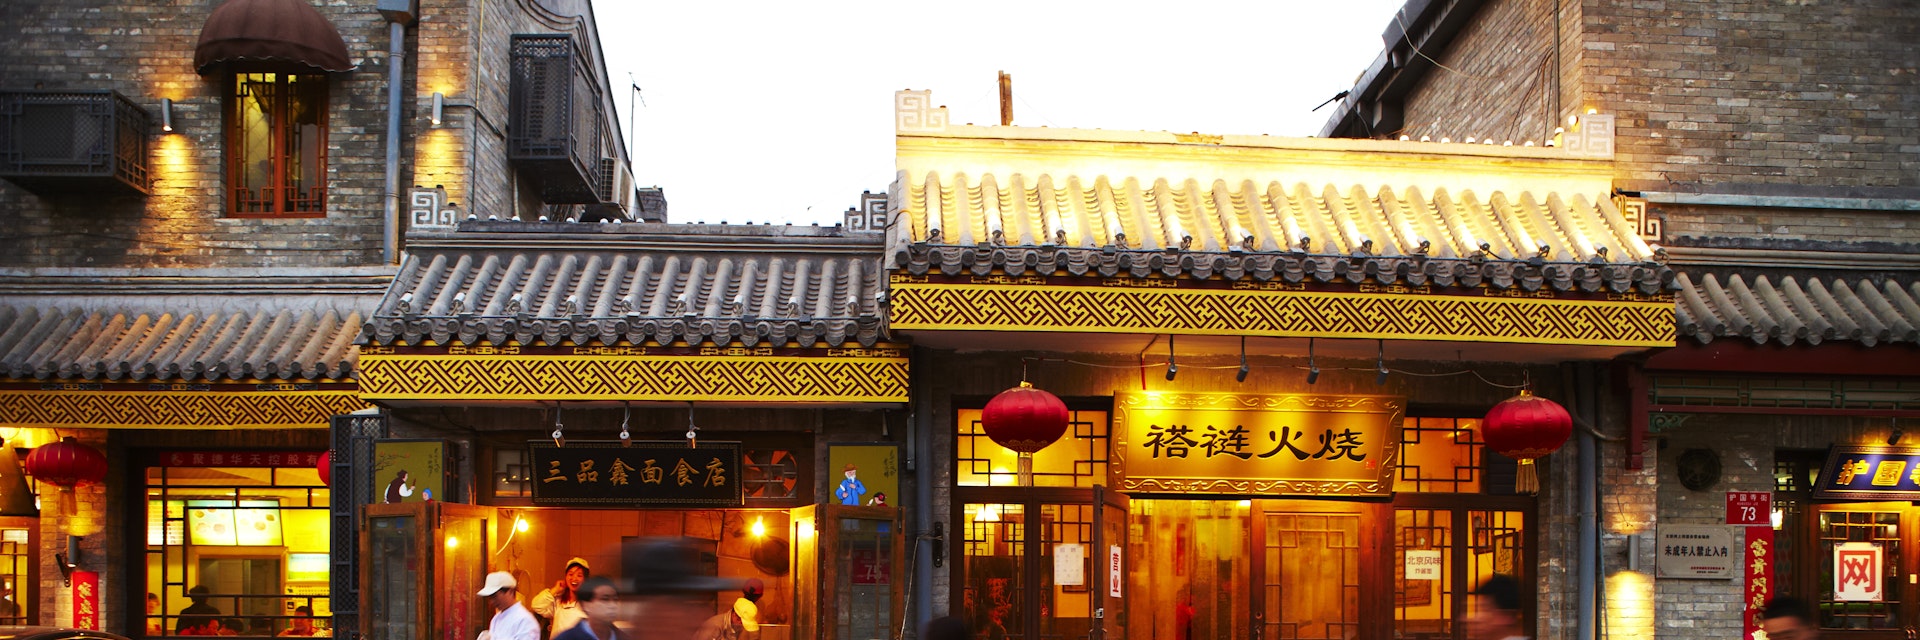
(850, 489)
(400, 488)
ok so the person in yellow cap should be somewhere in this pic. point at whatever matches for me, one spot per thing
(561, 604)
(741, 622)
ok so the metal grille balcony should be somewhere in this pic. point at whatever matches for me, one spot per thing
(74, 141)
(555, 119)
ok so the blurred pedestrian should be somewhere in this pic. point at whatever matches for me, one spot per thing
(1496, 611)
(514, 621)
(662, 575)
(946, 628)
(561, 604)
(1789, 618)
(600, 602)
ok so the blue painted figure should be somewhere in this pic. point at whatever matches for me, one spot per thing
(850, 489)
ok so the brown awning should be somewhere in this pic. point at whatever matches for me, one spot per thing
(287, 35)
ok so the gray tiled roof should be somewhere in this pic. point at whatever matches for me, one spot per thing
(177, 338)
(1108, 225)
(636, 284)
(1804, 309)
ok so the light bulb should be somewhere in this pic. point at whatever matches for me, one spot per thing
(520, 525)
(759, 527)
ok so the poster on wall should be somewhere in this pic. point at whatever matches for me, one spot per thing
(865, 474)
(1697, 551)
(1857, 571)
(408, 470)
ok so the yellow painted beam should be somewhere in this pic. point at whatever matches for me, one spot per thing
(176, 409)
(676, 378)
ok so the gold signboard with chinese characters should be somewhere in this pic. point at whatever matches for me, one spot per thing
(1219, 443)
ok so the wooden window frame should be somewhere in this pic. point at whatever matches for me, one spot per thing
(238, 198)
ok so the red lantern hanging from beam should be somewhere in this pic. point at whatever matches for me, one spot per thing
(325, 468)
(1526, 427)
(1025, 420)
(67, 464)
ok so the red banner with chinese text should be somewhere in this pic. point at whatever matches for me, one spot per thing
(1759, 576)
(86, 600)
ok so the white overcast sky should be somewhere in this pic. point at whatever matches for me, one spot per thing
(782, 111)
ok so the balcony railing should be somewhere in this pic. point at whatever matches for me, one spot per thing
(74, 141)
(554, 133)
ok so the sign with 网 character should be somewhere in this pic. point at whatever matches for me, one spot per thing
(1318, 445)
(652, 473)
(86, 600)
(1858, 568)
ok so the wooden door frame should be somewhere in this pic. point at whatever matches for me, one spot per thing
(1459, 505)
(1030, 499)
(827, 518)
(1810, 560)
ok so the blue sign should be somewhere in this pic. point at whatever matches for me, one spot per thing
(1865, 472)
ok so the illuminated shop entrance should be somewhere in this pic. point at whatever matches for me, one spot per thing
(1250, 567)
(236, 544)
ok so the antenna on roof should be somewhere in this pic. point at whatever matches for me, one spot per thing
(1006, 100)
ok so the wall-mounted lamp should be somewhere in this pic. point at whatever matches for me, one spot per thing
(166, 115)
(68, 561)
(439, 106)
(559, 430)
(1241, 375)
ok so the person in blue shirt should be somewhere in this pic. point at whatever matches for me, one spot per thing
(850, 489)
(601, 602)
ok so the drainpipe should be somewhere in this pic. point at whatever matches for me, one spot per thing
(396, 68)
(1587, 576)
(920, 426)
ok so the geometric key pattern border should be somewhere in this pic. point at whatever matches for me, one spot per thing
(175, 410)
(1636, 323)
(662, 378)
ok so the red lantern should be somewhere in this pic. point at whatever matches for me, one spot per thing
(67, 464)
(1527, 427)
(326, 467)
(1025, 420)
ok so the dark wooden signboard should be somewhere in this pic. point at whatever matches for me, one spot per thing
(651, 473)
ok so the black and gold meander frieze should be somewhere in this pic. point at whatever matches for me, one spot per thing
(177, 406)
(1281, 309)
(641, 373)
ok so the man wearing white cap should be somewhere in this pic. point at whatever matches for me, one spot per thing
(561, 604)
(732, 625)
(513, 622)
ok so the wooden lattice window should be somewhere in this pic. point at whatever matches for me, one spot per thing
(277, 145)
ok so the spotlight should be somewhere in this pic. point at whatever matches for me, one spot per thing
(439, 107)
(166, 115)
(1241, 376)
(1894, 438)
(559, 430)
(759, 527)
(1313, 370)
(1381, 363)
(1172, 368)
(626, 437)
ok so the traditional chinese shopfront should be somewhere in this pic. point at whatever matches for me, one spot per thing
(1275, 390)
(559, 392)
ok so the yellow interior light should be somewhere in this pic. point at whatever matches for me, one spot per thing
(519, 524)
(453, 543)
(1246, 504)
(759, 528)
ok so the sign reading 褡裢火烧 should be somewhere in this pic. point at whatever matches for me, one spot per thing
(665, 473)
(1255, 444)
(1869, 472)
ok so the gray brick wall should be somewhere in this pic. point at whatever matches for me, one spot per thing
(1690, 225)
(1499, 78)
(145, 51)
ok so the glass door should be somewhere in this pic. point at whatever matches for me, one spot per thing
(1316, 568)
(849, 572)
(1108, 561)
(421, 563)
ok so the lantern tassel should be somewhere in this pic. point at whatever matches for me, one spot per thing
(1526, 482)
(1026, 469)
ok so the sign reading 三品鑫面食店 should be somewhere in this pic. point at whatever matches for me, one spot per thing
(1869, 472)
(653, 473)
(1222, 443)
